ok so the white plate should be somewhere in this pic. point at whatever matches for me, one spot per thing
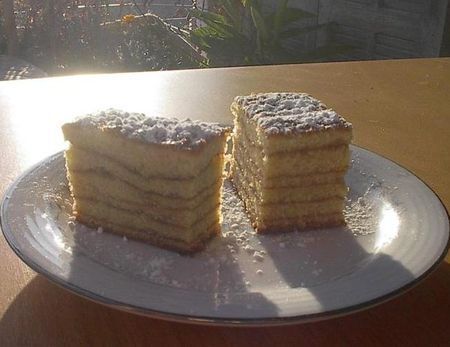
(397, 232)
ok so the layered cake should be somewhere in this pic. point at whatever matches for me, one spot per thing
(149, 178)
(290, 155)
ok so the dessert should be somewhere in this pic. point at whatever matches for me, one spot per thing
(149, 178)
(290, 155)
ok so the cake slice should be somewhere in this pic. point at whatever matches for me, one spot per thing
(290, 155)
(150, 178)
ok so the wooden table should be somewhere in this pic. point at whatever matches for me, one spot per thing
(400, 109)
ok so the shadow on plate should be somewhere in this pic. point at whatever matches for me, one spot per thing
(118, 271)
(45, 314)
(301, 266)
(116, 268)
(151, 278)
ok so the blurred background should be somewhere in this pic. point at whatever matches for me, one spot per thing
(60, 37)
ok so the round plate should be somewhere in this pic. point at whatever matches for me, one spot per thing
(397, 231)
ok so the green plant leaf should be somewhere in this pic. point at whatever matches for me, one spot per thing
(215, 21)
(207, 15)
(233, 13)
(259, 23)
(219, 22)
(200, 37)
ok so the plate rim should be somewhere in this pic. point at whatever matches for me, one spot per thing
(205, 320)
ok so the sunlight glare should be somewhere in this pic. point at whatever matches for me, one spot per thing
(388, 227)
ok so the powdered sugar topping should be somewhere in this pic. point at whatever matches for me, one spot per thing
(185, 133)
(289, 113)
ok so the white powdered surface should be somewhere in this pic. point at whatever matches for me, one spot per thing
(285, 113)
(184, 133)
(240, 274)
(359, 217)
(237, 261)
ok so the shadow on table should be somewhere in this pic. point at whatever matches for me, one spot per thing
(43, 314)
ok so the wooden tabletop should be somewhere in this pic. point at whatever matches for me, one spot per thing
(400, 109)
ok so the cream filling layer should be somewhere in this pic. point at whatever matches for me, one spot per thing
(79, 160)
(180, 217)
(313, 221)
(100, 211)
(290, 194)
(152, 237)
(286, 181)
(267, 214)
(83, 183)
(292, 163)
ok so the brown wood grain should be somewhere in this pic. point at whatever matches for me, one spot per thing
(400, 109)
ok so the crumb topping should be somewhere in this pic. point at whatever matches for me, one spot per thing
(285, 113)
(185, 133)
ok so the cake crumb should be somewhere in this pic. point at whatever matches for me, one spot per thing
(248, 248)
(359, 216)
(258, 256)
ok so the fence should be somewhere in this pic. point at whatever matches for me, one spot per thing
(377, 29)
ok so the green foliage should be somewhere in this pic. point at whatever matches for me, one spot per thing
(223, 40)
(61, 38)
(243, 32)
